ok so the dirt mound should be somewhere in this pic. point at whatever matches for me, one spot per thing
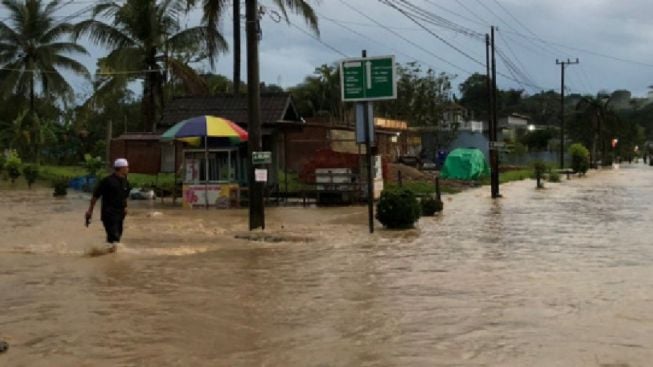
(408, 173)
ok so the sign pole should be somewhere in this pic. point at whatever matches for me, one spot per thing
(364, 80)
(368, 153)
(368, 156)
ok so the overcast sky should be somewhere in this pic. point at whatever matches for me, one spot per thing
(531, 33)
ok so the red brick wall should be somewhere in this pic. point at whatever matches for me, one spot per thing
(302, 145)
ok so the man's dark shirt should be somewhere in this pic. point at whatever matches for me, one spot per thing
(114, 191)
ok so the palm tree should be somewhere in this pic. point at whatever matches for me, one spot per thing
(147, 42)
(601, 116)
(213, 9)
(33, 53)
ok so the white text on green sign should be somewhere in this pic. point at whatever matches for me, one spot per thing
(368, 79)
(261, 157)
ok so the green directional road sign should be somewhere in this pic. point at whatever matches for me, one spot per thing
(368, 79)
(261, 157)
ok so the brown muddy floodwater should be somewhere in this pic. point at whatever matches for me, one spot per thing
(557, 277)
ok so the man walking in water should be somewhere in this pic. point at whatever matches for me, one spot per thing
(114, 191)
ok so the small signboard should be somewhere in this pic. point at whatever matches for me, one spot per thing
(360, 122)
(495, 145)
(368, 79)
(261, 175)
(261, 157)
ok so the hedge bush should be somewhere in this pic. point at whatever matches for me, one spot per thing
(580, 158)
(31, 173)
(539, 169)
(398, 209)
(431, 205)
(554, 176)
(12, 165)
(60, 185)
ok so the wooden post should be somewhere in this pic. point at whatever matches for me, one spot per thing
(108, 147)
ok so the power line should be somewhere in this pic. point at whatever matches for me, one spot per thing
(319, 40)
(578, 49)
(514, 55)
(107, 73)
(431, 32)
(404, 38)
(516, 79)
(495, 15)
(462, 4)
(439, 21)
(373, 40)
(515, 19)
(482, 23)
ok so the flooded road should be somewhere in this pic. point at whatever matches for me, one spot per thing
(556, 277)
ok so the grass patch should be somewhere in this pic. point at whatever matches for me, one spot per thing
(509, 176)
(51, 173)
(164, 180)
(294, 184)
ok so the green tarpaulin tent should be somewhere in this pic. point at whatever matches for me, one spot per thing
(465, 164)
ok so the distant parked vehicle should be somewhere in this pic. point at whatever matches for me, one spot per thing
(410, 160)
(428, 166)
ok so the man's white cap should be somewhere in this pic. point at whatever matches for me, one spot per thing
(120, 162)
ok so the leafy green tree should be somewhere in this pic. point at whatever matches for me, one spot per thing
(147, 42)
(595, 114)
(319, 95)
(580, 158)
(13, 164)
(214, 9)
(474, 97)
(421, 96)
(538, 140)
(34, 53)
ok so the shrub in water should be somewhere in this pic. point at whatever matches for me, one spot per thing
(398, 209)
(3, 160)
(580, 158)
(93, 165)
(12, 165)
(554, 176)
(60, 185)
(31, 173)
(431, 205)
(539, 168)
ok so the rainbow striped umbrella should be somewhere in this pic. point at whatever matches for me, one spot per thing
(196, 128)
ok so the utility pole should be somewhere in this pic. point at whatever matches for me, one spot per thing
(368, 158)
(255, 143)
(563, 64)
(236, 29)
(494, 152)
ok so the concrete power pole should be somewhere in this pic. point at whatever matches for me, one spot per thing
(563, 64)
(494, 149)
(236, 30)
(255, 142)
